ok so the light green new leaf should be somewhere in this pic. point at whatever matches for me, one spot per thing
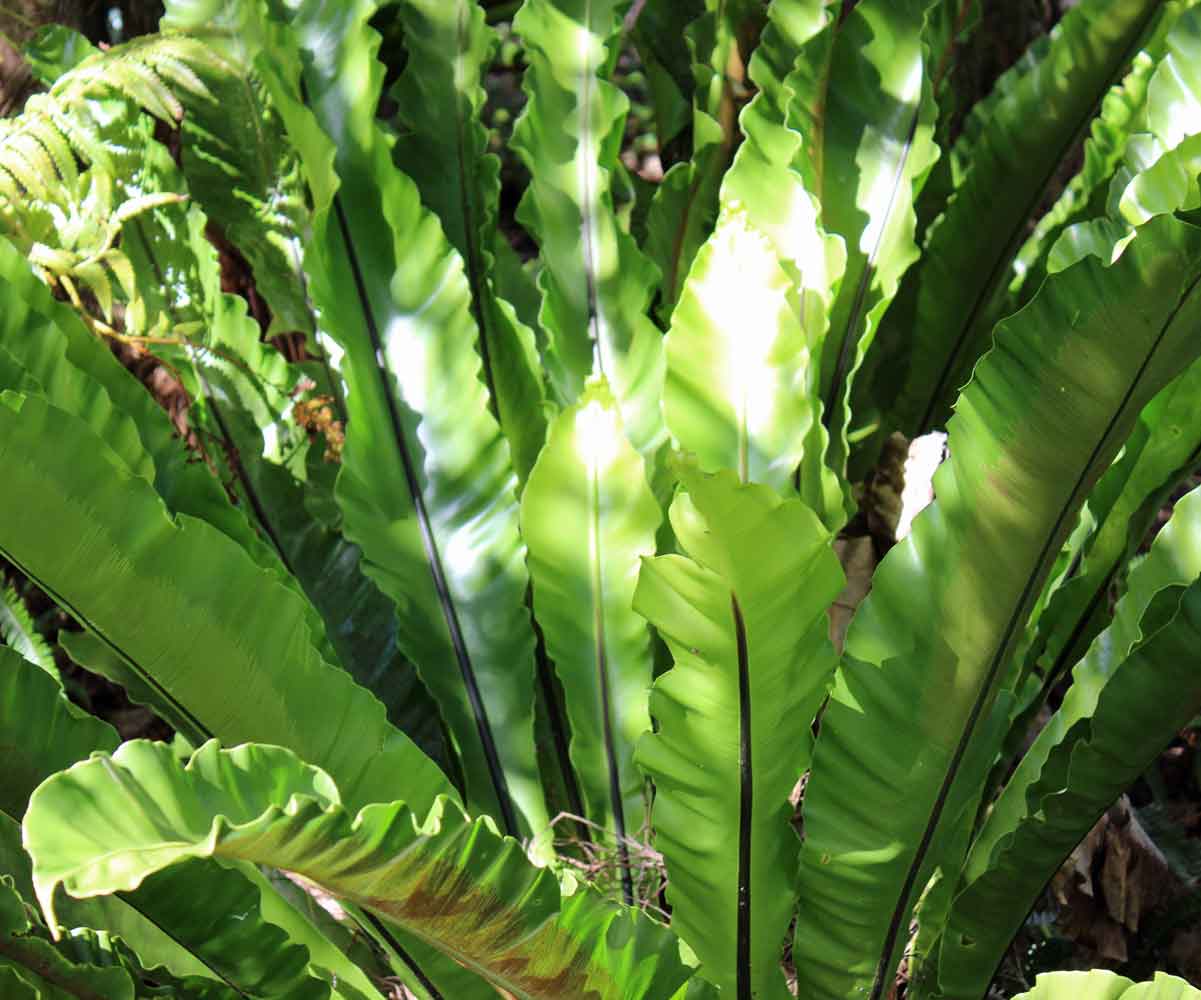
(744, 614)
(19, 633)
(427, 486)
(443, 147)
(1133, 690)
(1100, 984)
(596, 284)
(739, 360)
(447, 879)
(216, 636)
(588, 516)
(958, 289)
(742, 352)
(901, 752)
(1174, 121)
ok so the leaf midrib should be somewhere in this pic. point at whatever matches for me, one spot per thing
(746, 796)
(600, 649)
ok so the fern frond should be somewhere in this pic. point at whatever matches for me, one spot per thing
(18, 632)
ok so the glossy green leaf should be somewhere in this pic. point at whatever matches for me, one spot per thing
(42, 732)
(862, 101)
(588, 516)
(427, 487)
(748, 403)
(1130, 694)
(443, 147)
(744, 615)
(596, 284)
(54, 49)
(685, 205)
(67, 513)
(957, 292)
(450, 880)
(931, 643)
(740, 360)
(1164, 448)
(178, 920)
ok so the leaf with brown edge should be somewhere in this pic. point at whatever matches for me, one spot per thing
(447, 879)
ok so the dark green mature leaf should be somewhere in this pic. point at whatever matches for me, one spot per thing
(596, 284)
(685, 205)
(1042, 419)
(1121, 114)
(661, 34)
(1164, 447)
(216, 636)
(588, 516)
(38, 966)
(954, 296)
(443, 147)
(54, 49)
(40, 731)
(745, 618)
(449, 880)
(1135, 688)
(426, 485)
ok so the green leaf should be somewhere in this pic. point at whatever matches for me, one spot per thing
(753, 409)
(54, 49)
(684, 208)
(960, 286)
(862, 101)
(1130, 694)
(56, 353)
(247, 177)
(1164, 448)
(217, 636)
(1120, 115)
(443, 147)
(427, 487)
(179, 920)
(661, 34)
(740, 360)
(450, 880)
(744, 615)
(40, 731)
(596, 284)
(1100, 984)
(38, 965)
(588, 515)
(1040, 422)
(19, 633)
